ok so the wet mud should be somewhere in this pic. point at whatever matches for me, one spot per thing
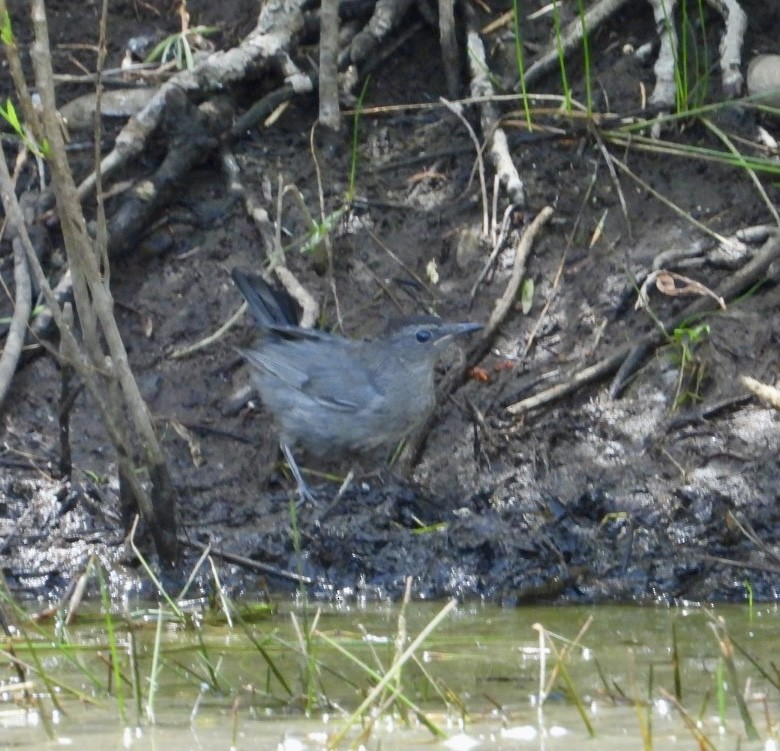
(652, 496)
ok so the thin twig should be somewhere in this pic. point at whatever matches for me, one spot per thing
(733, 149)
(250, 563)
(498, 246)
(505, 302)
(14, 342)
(456, 110)
(211, 338)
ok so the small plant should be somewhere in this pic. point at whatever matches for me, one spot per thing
(692, 61)
(520, 62)
(6, 32)
(313, 243)
(586, 57)
(178, 47)
(9, 114)
(692, 369)
(353, 161)
(561, 58)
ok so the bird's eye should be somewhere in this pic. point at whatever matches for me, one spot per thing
(424, 335)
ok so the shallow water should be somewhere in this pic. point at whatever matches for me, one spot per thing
(214, 689)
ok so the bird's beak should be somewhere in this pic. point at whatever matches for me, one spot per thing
(449, 330)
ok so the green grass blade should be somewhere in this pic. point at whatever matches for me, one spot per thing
(521, 62)
(390, 675)
(112, 644)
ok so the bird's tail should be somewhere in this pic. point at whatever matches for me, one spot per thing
(269, 306)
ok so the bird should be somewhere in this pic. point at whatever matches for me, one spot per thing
(332, 395)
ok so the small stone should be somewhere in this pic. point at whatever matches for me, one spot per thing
(763, 79)
(468, 246)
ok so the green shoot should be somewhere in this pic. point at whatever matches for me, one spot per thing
(354, 150)
(586, 57)
(720, 691)
(260, 646)
(178, 47)
(310, 667)
(560, 669)
(321, 230)
(681, 65)
(701, 62)
(6, 32)
(644, 712)
(112, 644)
(176, 610)
(9, 114)
(135, 673)
(34, 313)
(680, 77)
(526, 296)
(211, 668)
(520, 62)
(771, 678)
(21, 620)
(740, 161)
(561, 57)
(306, 647)
(154, 671)
(730, 678)
(94, 476)
(313, 243)
(390, 676)
(676, 664)
(625, 138)
(692, 370)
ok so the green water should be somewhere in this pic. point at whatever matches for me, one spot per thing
(477, 678)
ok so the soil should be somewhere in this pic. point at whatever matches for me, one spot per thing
(646, 497)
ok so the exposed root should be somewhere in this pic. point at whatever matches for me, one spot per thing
(490, 120)
(731, 45)
(665, 91)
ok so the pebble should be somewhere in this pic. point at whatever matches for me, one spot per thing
(763, 79)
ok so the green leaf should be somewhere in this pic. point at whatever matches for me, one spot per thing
(10, 116)
(526, 296)
(188, 53)
(160, 52)
(6, 32)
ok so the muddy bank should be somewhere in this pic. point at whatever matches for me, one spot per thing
(666, 493)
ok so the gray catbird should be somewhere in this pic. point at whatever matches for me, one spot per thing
(332, 395)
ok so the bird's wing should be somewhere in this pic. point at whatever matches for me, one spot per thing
(333, 382)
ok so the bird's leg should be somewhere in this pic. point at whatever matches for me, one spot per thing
(323, 511)
(304, 494)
